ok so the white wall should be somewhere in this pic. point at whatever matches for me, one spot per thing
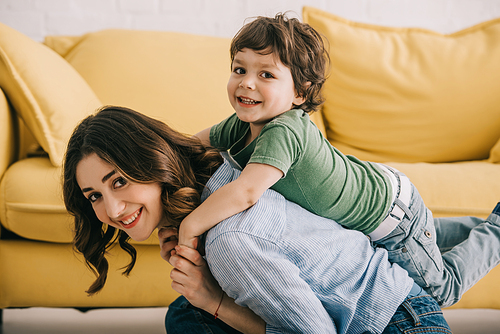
(38, 18)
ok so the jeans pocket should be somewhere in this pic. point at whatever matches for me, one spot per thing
(417, 252)
(418, 315)
(425, 238)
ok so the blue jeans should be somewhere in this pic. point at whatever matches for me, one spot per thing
(420, 314)
(184, 318)
(445, 256)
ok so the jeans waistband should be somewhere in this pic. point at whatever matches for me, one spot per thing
(401, 195)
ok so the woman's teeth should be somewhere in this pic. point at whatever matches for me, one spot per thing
(131, 219)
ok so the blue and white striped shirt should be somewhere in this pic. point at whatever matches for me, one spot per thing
(299, 272)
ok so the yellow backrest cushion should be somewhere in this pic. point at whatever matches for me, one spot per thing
(48, 94)
(409, 95)
(178, 78)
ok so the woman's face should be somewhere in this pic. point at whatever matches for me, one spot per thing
(133, 207)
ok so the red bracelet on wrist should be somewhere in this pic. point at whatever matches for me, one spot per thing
(216, 314)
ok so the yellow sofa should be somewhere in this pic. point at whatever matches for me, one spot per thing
(426, 103)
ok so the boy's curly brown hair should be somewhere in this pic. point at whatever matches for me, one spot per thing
(297, 45)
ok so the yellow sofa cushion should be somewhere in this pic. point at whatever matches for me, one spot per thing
(411, 95)
(469, 188)
(495, 153)
(176, 77)
(42, 274)
(49, 95)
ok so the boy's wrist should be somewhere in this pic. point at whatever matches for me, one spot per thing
(189, 229)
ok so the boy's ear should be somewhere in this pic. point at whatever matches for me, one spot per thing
(299, 99)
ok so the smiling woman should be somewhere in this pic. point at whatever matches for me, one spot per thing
(126, 205)
(125, 174)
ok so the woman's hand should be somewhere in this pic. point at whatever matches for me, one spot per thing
(168, 241)
(191, 276)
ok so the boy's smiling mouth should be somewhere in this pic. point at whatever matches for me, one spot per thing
(247, 101)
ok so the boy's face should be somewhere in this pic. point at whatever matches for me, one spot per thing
(260, 87)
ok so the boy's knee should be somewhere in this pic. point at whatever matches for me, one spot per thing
(496, 210)
(494, 217)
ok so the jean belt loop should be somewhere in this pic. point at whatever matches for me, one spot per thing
(416, 319)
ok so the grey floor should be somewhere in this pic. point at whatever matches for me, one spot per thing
(150, 321)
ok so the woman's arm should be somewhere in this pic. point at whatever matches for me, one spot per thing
(229, 200)
(192, 278)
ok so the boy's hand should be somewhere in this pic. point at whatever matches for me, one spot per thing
(168, 237)
(186, 237)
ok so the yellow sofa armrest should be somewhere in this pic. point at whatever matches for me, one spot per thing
(8, 143)
(9, 128)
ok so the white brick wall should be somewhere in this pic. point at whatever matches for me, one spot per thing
(38, 18)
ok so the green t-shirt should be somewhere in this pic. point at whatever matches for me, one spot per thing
(317, 176)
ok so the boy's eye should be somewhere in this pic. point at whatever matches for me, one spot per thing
(239, 70)
(267, 75)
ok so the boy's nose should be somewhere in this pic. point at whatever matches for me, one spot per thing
(247, 83)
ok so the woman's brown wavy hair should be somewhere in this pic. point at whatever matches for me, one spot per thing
(144, 150)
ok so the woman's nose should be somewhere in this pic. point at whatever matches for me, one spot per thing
(115, 207)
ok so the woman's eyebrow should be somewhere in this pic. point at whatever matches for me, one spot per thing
(104, 179)
(107, 176)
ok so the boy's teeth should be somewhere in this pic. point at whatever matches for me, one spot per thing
(131, 219)
(248, 101)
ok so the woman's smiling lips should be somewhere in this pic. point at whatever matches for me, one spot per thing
(131, 220)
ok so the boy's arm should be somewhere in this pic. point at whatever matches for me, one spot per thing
(229, 200)
(204, 136)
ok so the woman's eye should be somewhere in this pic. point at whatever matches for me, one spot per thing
(267, 75)
(119, 182)
(239, 70)
(93, 197)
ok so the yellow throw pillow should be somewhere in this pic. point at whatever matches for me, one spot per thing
(410, 95)
(175, 77)
(48, 94)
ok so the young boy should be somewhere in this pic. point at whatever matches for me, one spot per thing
(278, 70)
